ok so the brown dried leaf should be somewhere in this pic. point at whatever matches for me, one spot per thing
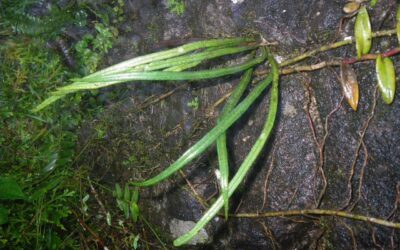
(349, 83)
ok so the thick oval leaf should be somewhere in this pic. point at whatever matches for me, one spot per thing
(10, 190)
(362, 32)
(398, 24)
(348, 80)
(386, 78)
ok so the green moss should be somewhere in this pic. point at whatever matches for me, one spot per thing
(176, 7)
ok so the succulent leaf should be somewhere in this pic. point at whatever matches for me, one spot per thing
(363, 32)
(386, 78)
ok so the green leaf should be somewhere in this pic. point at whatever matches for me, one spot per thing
(118, 191)
(373, 3)
(135, 195)
(135, 242)
(247, 163)
(386, 78)
(3, 215)
(125, 208)
(10, 190)
(221, 141)
(127, 194)
(184, 49)
(192, 58)
(134, 211)
(363, 33)
(108, 218)
(52, 164)
(106, 80)
(398, 24)
(210, 137)
(126, 71)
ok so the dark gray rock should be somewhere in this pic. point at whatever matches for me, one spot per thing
(290, 159)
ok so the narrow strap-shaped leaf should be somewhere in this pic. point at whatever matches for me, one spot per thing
(102, 81)
(363, 32)
(47, 102)
(210, 137)
(247, 163)
(56, 95)
(386, 78)
(97, 82)
(221, 141)
(183, 67)
(186, 59)
(168, 54)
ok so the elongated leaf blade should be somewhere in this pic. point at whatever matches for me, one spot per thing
(247, 163)
(127, 194)
(386, 78)
(97, 82)
(135, 211)
(363, 32)
(123, 66)
(210, 137)
(192, 58)
(107, 79)
(349, 83)
(222, 149)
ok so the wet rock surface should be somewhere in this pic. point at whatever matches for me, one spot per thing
(142, 139)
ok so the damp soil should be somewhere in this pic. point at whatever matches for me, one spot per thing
(151, 123)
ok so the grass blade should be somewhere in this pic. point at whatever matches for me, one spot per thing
(210, 137)
(221, 141)
(247, 163)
